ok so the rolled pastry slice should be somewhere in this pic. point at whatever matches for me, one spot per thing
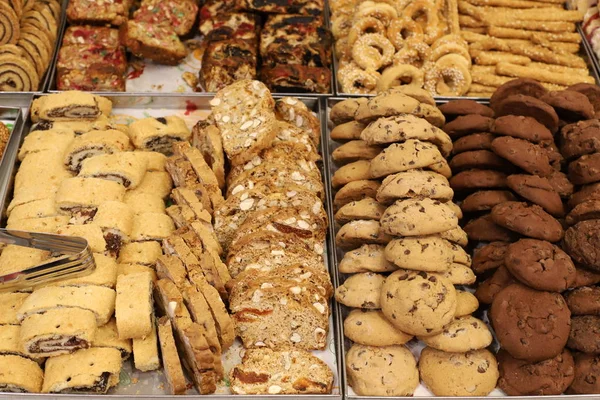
(156, 161)
(20, 375)
(144, 253)
(145, 352)
(17, 74)
(84, 195)
(125, 168)
(92, 370)
(42, 225)
(158, 134)
(69, 105)
(10, 342)
(79, 127)
(134, 306)
(98, 299)
(141, 202)
(91, 233)
(10, 304)
(17, 258)
(44, 168)
(156, 183)
(94, 143)
(116, 221)
(58, 331)
(108, 336)
(128, 269)
(151, 226)
(9, 20)
(51, 139)
(105, 274)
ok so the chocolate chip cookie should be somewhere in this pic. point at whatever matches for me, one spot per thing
(529, 107)
(484, 229)
(584, 211)
(488, 290)
(474, 141)
(480, 159)
(585, 193)
(525, 86)
(467, 124)
(347, 131)
(540, 265)
(539, 191)
(579, 139)
(587, 371)
(489, 257)
(456, 108)
(485, 200)
(569, 105)
(370, 328)
(525, 155)
(345, 110)
(461, 335)
(466, 303)
(361, 291)
(585, 334)
(544, 378)
(521, 127)
(476, 179)
(586, 169)
(582, 242)
(584, 300)
(529, 324)
(592, 92)
(527, 219)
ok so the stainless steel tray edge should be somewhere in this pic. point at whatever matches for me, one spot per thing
(9, 158)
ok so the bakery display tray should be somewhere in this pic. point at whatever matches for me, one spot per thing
(342, 311)
(152, 78)
(586, 52)
(13, 118)
(153, 385)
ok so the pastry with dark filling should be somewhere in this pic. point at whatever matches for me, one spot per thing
(108, 336)
(123, 167)
(157, 134)
(92, 144)
(20, 375)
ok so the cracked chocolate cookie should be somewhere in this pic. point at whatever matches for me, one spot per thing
(467, 124)
(527, 219)
(592, 92)
(525, 155)
(418, 303)
(584, 211)
(521, 127)
(489, 289)
(570, 106)
(584, 300)
(485, 200)
(544, 378)
(582, 243)
(586, 169)
(489, 257)
(456, 108)
(480, 159)
(585, 334)
(529, 324)
(525, 86)
(580, 139)
(587, 371)
(528, 106)
(539, 191)
(540, 265)
(474, 141)
(477, 179)
(484, 229)
(585, 193)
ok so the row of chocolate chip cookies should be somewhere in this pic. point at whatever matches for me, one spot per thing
(404, 252)
(520, 202)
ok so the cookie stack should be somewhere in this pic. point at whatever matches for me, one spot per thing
(394, 206)
(271, 227)
(511, 185)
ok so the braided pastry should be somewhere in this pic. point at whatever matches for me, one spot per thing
(372, 51)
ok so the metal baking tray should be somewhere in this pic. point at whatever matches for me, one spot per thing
(342, 311)
(164, 79)
(586, 52)
(151, 385)
(45, 80)
(13, 118)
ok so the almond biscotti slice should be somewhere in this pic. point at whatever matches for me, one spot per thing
(280, 372)
(244, 115)
(269, 250)
(294, 111)
(287, 132)
(282, 313)
(206, 137)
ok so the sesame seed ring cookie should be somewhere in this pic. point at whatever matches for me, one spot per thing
(382, 11)
(450, 48)
(372, 51)
(452, 38)
(401, 75)
(401, 29)
(424, 12)
(342, 50)
(363, 26)
(415, 52)
(341, 26)
(355, 80)
(449, 76)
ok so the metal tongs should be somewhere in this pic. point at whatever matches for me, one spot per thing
(77, 259)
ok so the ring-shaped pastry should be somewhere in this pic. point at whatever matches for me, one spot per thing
(414, 52)
(452, 38)
(401, 75)
(363, 26)
(355, 80)
(424, 12)
(341, 26)
(382, 11)
(450, 48)
(401, 29)
(449, 76)
(342, 50)
(372, 51)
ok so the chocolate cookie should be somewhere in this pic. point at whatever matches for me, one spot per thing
(569, 105)
(479, 159)
(586, 169)
(485, 200)
(526, 155)
(561, 184)
(484, 229)
(488, 290)
(540, 265)
(584, 300)
(582, 242)
(529, 107)
(555, 159)
(585, 334)
(530, 325)
(548, 377)
(488, 257)
(478, 179)
(580, 139)
(584, 211)
(585, 193)
(456, 108)
(467, 124)
(521, 127)
(585, 277)
(587, 371)
(527, 219)
(592, 92)
(539, 191)
(474, 141)
(528, 87)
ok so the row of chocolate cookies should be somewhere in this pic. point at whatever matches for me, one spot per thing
(580, 145)
(529, 271)
(395, 214)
